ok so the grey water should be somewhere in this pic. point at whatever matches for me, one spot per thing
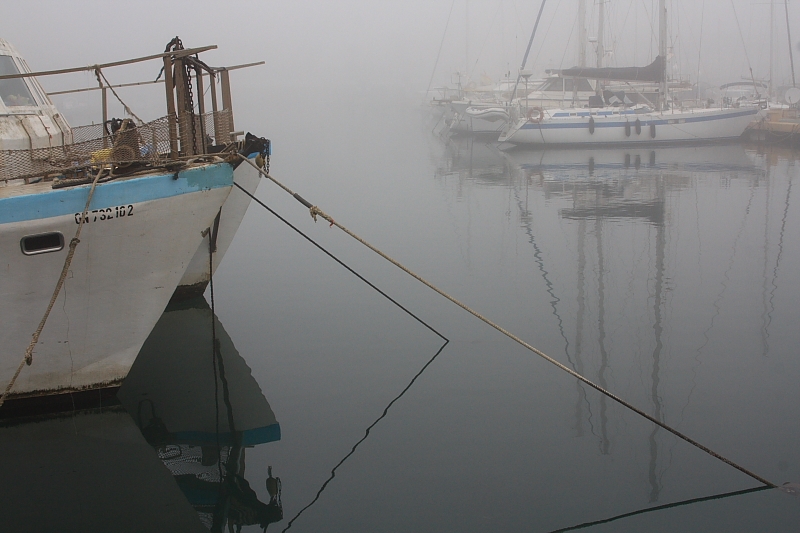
(665, 275)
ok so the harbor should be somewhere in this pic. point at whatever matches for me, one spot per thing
(300, 381)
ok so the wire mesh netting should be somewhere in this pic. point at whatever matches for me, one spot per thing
(101, 145)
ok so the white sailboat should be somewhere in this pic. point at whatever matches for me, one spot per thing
(610, 120)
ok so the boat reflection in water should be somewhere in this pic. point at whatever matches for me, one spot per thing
(606, 230)
(87, 471)
(197, 404)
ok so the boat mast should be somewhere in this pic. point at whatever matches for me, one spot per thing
(789, 35)
(600, 22)
(601, 49)
(771, 46)
(582, 38)
(581, 33)
(662, 51)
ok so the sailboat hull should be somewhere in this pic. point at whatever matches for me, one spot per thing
(580, 127)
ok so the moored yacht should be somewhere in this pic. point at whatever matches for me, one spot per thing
(614, 119)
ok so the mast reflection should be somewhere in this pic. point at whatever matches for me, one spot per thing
(602, 190)
(197, 404)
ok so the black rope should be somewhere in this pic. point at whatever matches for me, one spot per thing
(395, 302)
(359, 276)
(662, 507)
(366, 434)
(214, 351)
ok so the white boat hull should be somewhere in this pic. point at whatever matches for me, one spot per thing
(579, 127)
(196, 277)
(140, 236)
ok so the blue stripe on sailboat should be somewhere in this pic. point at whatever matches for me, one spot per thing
(70, 200)
(621, 123)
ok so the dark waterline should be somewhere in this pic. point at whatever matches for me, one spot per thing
(665, 275)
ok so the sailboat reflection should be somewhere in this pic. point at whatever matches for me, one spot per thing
(610, 188)
(196, 402)
(603, 195)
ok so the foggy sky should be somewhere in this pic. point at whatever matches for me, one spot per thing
(318, 48)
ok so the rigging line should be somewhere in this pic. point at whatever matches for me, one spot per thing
(747, 57)
(789, 35)
(316, 211)
(100, 73)
(366, 434)
(661, 508)
(764, 319)
(718, 300)
(329, 254)
(780, 253)
(525, 215)
(700, 46)
(436, 64)
(550, 287)
(528, 50)
(566, 48)
(491, 25)
(546, 33)
(652, 28)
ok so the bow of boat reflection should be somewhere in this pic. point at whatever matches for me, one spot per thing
(197, 404)
(175, 461)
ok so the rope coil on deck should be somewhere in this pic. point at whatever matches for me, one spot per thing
(316, 211)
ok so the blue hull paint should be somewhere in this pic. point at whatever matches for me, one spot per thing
(66, 201)
(645, 123)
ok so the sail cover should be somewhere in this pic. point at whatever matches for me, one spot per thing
(654, 72)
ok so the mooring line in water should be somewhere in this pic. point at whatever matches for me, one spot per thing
(366, 434)
(661, 508)
(329, 254)
(315, 212)
(395, 302)
(28, 358)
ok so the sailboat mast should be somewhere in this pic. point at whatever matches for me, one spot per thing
(601, 16)
(662, 51)
(581, 33)
(771, 46)
(789, 35)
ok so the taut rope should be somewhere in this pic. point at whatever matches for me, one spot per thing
(316, 211)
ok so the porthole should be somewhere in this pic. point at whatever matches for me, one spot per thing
(42, 243)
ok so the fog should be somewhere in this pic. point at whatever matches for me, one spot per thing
(338, 52)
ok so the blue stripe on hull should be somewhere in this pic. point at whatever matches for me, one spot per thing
(67, 201)
(646, 123)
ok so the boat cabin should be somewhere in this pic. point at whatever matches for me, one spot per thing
(28, 119)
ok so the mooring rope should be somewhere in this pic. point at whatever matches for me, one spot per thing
(98, 73)
(349, 269)
(661, 508)
(28, 358)
(316, 211)
(382, 293)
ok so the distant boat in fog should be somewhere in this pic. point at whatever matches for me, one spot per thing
(612, 118)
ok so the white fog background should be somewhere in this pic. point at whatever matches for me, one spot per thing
(326, 53)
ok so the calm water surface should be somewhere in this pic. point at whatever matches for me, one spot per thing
(668, 276)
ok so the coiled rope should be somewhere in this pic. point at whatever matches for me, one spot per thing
(317, 212)
(28, 358)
